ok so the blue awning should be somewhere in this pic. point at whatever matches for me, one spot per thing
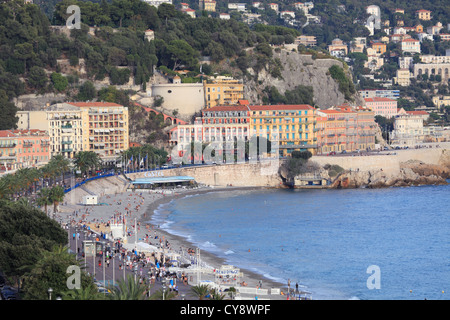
(153, 180)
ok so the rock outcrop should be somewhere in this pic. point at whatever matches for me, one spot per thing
(411, 173)
(300, 69)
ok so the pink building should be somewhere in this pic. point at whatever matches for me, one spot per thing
(23, 148)
(382, 106)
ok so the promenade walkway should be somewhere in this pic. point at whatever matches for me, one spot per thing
(116, 270)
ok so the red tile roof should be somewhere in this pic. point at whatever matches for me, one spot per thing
(378, 99)
(227, 108)
(417, 112)
(6, 134)
(282, 107)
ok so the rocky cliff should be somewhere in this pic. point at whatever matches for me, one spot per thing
(300, 69)
(411, 173)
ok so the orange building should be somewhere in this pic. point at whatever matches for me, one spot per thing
(379, 47)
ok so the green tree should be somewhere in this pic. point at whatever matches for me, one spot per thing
(37, 78)
(43, 199)
(87, 91)
(25, 233)
(200, 291)
(50, 271)
(59, 81)
(56, 197)
(8, 110)
(87, 160)
(181, 53)
(129, 289)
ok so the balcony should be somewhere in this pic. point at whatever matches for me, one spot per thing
(66, 142)
(7, 145)
(67, 150)
(66, 126)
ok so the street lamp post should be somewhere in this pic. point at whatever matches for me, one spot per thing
(50, 290)
(163, 281)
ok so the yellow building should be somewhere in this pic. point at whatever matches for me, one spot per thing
(423, 14)
(292, 125)
(107, 127)
(223, 91)
(208, 5)
(101, 127)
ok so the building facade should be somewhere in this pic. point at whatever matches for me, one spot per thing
(23, 148)
(101, 127)
(222, 91)
(408, 130)
(382, 106)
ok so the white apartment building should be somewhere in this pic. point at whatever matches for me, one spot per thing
(408, 130)
(157, 3)
(428, 58)
(410, 45)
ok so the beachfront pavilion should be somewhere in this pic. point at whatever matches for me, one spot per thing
(164, 182)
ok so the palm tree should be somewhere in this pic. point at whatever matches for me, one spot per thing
(87, 160)
(158, 295)
(201, 291)
(56, 196)
(216, 295)
(5, 189)
(129, 289)
(43, 198)
(61, 164)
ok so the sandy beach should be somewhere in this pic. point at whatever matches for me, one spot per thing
(138, 207)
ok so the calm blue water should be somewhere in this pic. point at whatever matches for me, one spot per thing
(326, 239)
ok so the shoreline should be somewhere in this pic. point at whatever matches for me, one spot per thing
(211, 259)
(146, 205)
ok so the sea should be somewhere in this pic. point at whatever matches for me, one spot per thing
(340, 244)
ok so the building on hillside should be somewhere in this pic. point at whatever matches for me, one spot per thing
(429, 58)
(224, 16)
(380, 93)
(222, 91)
(423, 14)
(174, 96)
(208, 5)
(338, 48)
(408, 130)
(410, 45)
(441, 101)
(435, 30)
(305, 40)
(157, 3)
(403, 77)
(274, 6)
(417, 113)
(379, 47)
(237, 6)
(382, 106)
(442, 69)
(23, 149)
(149, 35)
